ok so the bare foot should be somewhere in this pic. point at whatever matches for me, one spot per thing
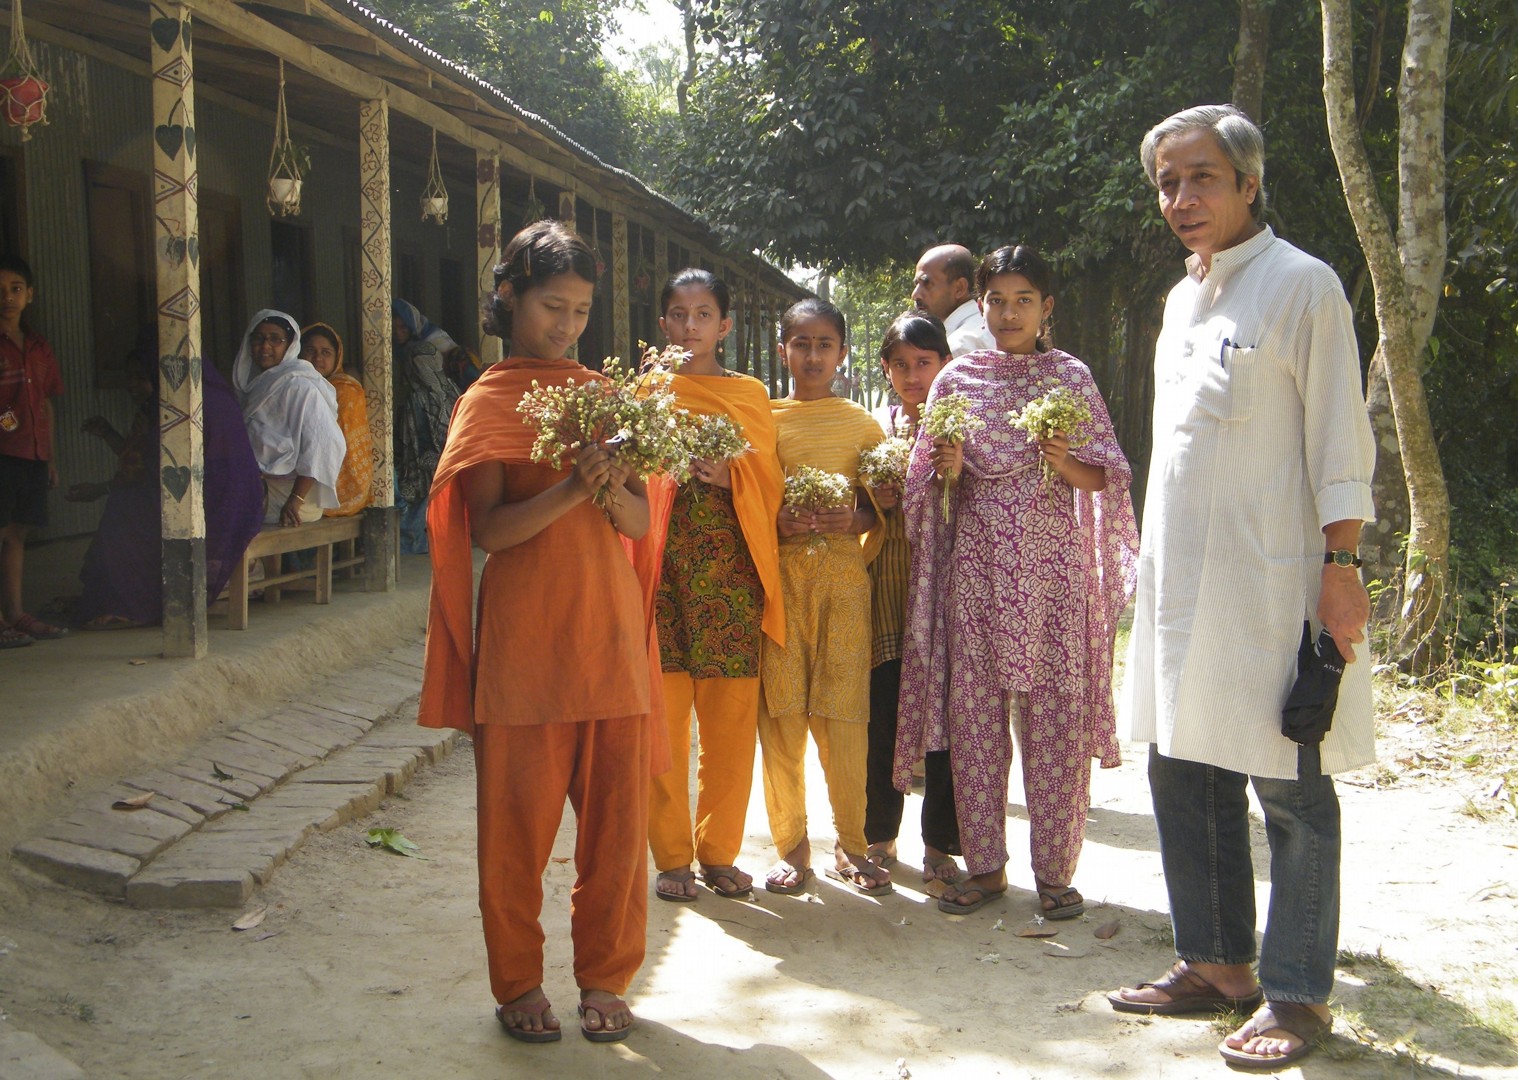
(940, 866)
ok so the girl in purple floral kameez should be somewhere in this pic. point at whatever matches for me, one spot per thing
(1014, 599)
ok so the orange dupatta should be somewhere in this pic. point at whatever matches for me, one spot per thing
(758, 486)
(487, 427)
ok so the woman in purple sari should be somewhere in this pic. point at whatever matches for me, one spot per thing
(123, 569)
(1014, 600)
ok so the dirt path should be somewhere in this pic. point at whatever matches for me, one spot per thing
(370, 964)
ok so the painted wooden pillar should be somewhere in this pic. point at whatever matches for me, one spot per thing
(661, 266)
(487, 192)
(743, 320)
(381, 522)
(621, 296)
(181, 476)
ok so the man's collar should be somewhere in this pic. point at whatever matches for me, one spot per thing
(1231, 259)
(960, 315)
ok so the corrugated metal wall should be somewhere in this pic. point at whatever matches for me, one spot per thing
(99, 112)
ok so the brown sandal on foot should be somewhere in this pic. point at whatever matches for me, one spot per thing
(1188, 993)
(1297, 1020)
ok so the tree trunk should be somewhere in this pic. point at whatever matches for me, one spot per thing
(1249, 58)
(688, 75)
(1405, 271)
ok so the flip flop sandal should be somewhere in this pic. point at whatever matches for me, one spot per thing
(711, 875)
(854, 875)
(1061, 911)
(601, 1034)
(526, 1035)
(1296, 1020)
(11, 638)
(36, 628)
(111, 622)
(1188, 993)
(948, 905)
(681, 877)
(774, 881)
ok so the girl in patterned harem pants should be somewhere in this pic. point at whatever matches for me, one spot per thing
(1014, 599)
(719, 593)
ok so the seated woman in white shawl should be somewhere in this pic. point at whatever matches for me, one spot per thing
(291, 415)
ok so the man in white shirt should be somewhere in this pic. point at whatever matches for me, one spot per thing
(1258, 487)
(945, 288)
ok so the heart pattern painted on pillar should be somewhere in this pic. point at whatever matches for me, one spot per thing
(176, 479)
(189, 142)
(192, 247)
(175, 368)
(164, 32)
(169, 137)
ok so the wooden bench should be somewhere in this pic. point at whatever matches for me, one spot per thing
(275, 540)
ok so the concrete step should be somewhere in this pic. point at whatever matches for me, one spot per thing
(222, 820)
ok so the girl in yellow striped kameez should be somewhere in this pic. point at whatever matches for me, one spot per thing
(818, 681)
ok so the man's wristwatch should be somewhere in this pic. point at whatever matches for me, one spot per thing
(1341, 557)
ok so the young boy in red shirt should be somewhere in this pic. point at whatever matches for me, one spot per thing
(29, 379)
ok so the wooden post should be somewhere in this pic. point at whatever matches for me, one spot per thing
(621, 300)
(381, 522)
(743, 318)
(661, 266)
(181, 463)
(487, 191)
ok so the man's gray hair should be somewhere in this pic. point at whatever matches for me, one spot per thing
(1242, 143)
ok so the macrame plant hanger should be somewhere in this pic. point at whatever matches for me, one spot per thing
(23, 91)
(435, 194)
(535, 209)
(284, 162)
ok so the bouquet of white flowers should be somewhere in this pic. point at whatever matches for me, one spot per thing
(817, 489)
(1058, 410)
(709, 437)
(950, 418)
(638, 422)
(885, 463)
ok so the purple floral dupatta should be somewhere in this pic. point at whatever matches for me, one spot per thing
(1023, 586)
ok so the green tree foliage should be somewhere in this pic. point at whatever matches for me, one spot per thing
(543, 54)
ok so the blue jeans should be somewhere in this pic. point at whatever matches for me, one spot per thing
(1202, 813)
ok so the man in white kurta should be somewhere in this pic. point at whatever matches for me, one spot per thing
(1258, 486)
(944, 287)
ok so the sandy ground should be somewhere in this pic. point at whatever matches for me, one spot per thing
(371, 964)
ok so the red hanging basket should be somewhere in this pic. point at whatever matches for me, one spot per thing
(23, 100)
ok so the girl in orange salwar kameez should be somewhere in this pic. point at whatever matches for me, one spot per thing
(553, 672)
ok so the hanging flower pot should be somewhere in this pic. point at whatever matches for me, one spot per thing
(435, 195)
(23, 92)
(287, 162)
(25, 98)
(284, 193)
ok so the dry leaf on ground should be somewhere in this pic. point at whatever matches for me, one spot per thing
(251, 919)
(136, 802)
(1107, 929)
(1033, 930)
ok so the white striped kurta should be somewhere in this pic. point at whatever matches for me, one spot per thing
(1260, 439)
